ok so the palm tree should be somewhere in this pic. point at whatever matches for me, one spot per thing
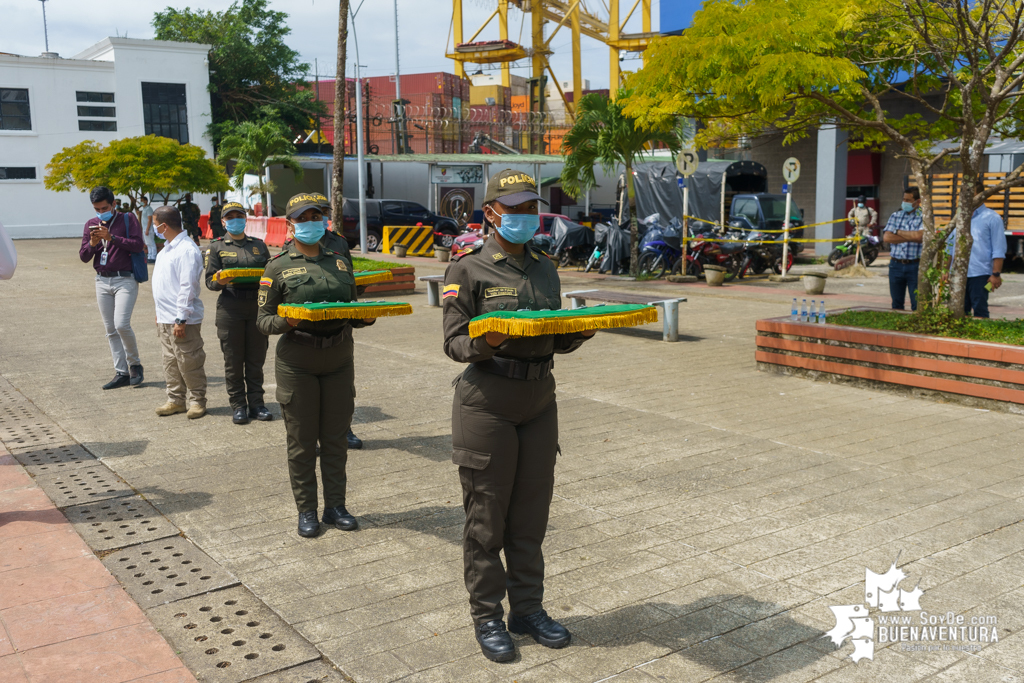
(254, 147)
(603, 135)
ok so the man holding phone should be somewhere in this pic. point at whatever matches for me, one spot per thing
(108, 240)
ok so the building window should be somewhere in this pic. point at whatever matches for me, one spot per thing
(97, 125)
(94, 96)
(14, 110)
(17, 172)
(96, 111)
(164, 110)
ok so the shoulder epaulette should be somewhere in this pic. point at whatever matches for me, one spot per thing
(472, 250)
(278, 255)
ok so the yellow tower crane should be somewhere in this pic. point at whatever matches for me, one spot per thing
(607, 26)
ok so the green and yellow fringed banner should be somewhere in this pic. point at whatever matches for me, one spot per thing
(540, 323)
(241, 275)
(342, 311)
(372, 277)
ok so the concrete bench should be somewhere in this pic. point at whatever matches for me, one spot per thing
(670, 307)
(434, 283)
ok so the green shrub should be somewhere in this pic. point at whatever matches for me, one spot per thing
(937, 322)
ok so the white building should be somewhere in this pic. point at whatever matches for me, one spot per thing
(118, 88)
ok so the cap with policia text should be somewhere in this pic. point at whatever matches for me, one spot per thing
(231, 206)
(511, 188)
(301, 202)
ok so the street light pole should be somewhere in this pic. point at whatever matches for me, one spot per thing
(360, 164)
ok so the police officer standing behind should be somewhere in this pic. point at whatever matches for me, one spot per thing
(244, 347)
(216, 222)
(504, 418)
(314, 364)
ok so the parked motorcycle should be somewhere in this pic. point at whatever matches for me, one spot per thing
(869, 248)
(762, 253)
(728, 255)
(659, 255)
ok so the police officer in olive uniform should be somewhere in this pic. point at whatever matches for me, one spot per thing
(216, 224)
(337, 243)
(244, 347)
(504, 418)
(314, 365)
(190, 215)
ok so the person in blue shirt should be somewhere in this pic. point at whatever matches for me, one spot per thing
(904, 233)
(987, 253)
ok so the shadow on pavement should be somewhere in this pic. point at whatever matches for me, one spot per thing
(47, 516)
(116, 449)
(174, 502)
(436, 448)
(368, 414)
(759, 641)
(643, 333)
(442, 522)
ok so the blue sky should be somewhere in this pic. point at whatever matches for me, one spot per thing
(424, 25)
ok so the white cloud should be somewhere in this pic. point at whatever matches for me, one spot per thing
(424, 28)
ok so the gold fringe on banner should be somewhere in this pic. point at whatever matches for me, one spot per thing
(369, 277)
(538, 327)
(239, 272)
(384, 310)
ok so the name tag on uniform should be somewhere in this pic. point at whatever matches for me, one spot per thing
(293, 271)
(492, 292)
(227, 254)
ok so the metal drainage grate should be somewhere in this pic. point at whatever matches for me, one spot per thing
(159, 572)
(32, 433)
(83, 485)
(118, 523)
(55, 459)
(230, 636)
(14, 413)
(314, 672)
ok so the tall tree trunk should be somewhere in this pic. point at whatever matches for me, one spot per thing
(962, 241)
(634, 239)
(337, 181)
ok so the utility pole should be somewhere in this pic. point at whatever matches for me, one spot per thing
(46, 33)
(399, 109)
(337, 181)
(360, 164)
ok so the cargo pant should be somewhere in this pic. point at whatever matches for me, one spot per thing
(244, 347)
(505, 440)
(314, 388)
(184, 361)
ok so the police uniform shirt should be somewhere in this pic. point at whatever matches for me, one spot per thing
(231, 252)
(293, 278)
(488, 280)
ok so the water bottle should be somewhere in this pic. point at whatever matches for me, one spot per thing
(812, 312)
(795, 313)
(821, 313)
(803, 311)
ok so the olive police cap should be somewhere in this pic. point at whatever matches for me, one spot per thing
(324, 203)
(231, 206)
(301, 202)
(511, 188)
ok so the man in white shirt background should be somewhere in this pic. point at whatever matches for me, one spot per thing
(146, 219)
(179, 315)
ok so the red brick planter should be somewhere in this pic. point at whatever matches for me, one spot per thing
(974, 373)
(403, 283)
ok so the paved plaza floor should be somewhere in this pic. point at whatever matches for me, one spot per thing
(706, 516)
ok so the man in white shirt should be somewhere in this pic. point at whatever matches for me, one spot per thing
(146, 218)
(179, 315)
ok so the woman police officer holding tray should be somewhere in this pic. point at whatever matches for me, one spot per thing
(314, 365)
(504, 418)
(244, 347)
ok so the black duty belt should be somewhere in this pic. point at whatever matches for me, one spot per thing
(316, 341)
(114, 273)
(517, 369)
(905, 260)
(242, 293)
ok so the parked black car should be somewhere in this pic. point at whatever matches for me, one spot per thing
(381, 212)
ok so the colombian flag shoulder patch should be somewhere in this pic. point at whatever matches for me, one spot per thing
(449, 290)
(266, 282)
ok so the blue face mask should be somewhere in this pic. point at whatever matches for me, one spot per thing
(105, 216)
(236, 226)
(518, 228)
(907, 206)
(327, 224)
(309, 232)
(860, 204)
